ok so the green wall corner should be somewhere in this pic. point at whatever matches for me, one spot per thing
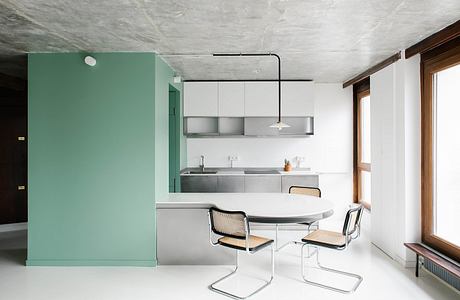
(96, 152)
(164, 78)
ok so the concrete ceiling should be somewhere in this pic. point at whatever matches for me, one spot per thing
(328, 41)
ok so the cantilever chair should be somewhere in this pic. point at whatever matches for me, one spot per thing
(300, 190)
(310, 191)
(233, 227)
(335, 240)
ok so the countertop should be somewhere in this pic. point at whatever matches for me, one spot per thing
(240, 172)
(260, 207)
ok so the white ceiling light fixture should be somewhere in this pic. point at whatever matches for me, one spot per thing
(279, 125)
(90, 61)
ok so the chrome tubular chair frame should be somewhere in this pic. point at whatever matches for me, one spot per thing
(350, 234)
(277, 249)
(319, 266)
(247, 233)
(314, 192)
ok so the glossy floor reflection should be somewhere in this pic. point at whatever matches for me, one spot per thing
(383, 277)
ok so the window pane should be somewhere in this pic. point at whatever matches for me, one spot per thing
(446, 143)
(365, 110)
(365, 186)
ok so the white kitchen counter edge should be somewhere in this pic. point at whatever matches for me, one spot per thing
(293, 173)
(179, 200)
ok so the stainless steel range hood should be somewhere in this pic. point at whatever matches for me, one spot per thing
(246, 127)
(260, 126)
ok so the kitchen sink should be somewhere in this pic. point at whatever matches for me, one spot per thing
(230, 172)
(200, 172)
(261, 172)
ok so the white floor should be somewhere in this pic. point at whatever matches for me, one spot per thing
(383, 277)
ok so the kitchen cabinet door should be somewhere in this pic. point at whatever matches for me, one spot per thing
(230, 184)
(261, 99)
(297, 98)
(262, 184)
(260, 127)
(200, 99)
(198, 184)
(231, 99)
(299, 180)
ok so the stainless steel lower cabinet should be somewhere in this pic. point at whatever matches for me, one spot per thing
(183, 239)
(245, 184)
(301, 180)
(262, 184)
(230, 184)
(198, 184)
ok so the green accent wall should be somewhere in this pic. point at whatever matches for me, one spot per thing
(174, 140)
(164, 78)
(183, 139)
(98, 157)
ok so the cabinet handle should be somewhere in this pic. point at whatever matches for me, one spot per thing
(21, 187)
(21, 138)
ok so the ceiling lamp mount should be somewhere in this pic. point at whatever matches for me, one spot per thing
(90, 61)
(280, 125)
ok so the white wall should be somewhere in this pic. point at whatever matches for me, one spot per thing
(333, 145)
(333, 128)
(253, 152)
(412, 155)
(395, 146)
(383, 160)
(328, 152)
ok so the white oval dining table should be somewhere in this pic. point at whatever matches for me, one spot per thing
(274, 208)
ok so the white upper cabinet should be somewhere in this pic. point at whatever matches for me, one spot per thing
(297, 98)
(200, 99)
(231, 99)
(248, 99)
(261, 98)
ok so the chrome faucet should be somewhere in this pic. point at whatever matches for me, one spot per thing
(202, 163)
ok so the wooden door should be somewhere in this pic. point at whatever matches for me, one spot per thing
(13, 156)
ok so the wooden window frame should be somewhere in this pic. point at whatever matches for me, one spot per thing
(360, 90)
(433, 61)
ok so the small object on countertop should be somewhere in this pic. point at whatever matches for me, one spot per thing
(287, 165)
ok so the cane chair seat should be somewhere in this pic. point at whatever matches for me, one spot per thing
(255, 243)
(338, 241)
(325, 238)
(233, 227)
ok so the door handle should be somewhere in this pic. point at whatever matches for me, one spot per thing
(21, 187)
